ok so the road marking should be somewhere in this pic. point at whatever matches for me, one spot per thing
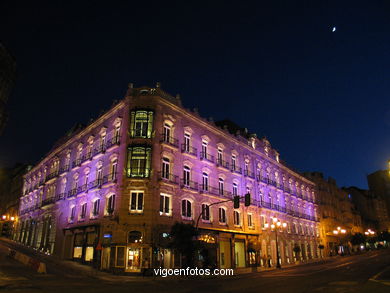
(344, 264)
(375, 277)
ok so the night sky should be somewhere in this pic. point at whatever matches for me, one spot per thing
(275, 67)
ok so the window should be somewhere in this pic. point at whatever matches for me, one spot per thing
(99, 175)
(95, 209)
(187, 142)
(295, 230)
(186, 211)
(138, 164)
(72, 213)
(237, 220)
(262, 222)
(117, 133)
(86, 177)
(205, 212)
(167, 132)
(102, 142)
(246, 167)
(220, 156)
(222, 215)
(165, 207)
(235, 189)
(204, 149)
(250, 223)
(288, 227)
(205, 181)
(165, 168)
(110, 206)
(114, 167)
(136, 202)
(186, 176)
(234, 161)
(83, 211)
(220, 186)
(141, 123)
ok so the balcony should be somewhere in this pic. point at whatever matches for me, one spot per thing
(97, 183)
(214, 191)
(169, 140)
(63, 169)
(116, 140)
(236, 169)
(48, 201)
(60, 196)
(76, 163)
(82, 188)
(86, 157)
(167, 177)
(52, 175)
(189, 184)
(207, 157)
(99, 150)
(185, 148)
(249, 174)
(112, 177)
(223, 164)
(72, 192)
(138, 172)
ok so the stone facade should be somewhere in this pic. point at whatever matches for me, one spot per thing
(335, 210)
(170, 165)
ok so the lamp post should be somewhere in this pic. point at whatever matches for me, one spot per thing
(338, 232)
(276, 224)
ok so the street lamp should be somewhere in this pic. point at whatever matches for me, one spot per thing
(276, 224)
(339, 231)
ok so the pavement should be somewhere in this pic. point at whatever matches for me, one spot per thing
(369, 272)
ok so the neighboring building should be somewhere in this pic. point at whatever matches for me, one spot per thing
(379, 184)
(11, 183)
(7, 79)
(372, 209)
(109, 193)
(336, 210)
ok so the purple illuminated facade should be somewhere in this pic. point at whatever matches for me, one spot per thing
(110, 193)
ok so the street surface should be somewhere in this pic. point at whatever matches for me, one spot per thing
(369, 272)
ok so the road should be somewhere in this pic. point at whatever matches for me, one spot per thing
(368, 272)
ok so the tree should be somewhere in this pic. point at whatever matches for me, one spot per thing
(357, 239)
(182, 239)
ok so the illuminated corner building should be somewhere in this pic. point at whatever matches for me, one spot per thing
(379, 184)
(7, 79)
(335, 209)
(154, 163)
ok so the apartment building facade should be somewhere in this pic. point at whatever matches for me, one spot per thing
(148, 163)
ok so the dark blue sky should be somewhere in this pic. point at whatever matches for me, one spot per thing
(275, 67)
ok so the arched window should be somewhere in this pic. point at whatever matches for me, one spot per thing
(141, 124)
(138, 164)
(165, 172)
(186, 209)
(235, 188)
(221, 186)
(186, 176)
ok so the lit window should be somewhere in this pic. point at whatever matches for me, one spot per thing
(167, 133)
(136, 202)
(187, 142)
(138, 164)
(141, 124)
(165, 204)
(186, 209)
(204, 149)
(222, 215)
(220, 156)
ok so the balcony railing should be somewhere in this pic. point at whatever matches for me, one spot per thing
(99, 150)
(189, 184)
(236, 169)
(249, 174)
(86, 157)
(169, 140)
(207, 157)
(167, 177)
(64, 169)
(72, 192)
(112, 177)
(76, 163)
(138, 172)
(82, 188)
(48, 201)
(52, 175)
(214, 190)
(95, 183)
(222, 163)
(116, 140)
(185, 148)
(60, 196)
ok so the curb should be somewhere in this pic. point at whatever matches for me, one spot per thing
(33, 263)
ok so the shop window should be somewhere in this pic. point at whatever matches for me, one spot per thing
(136, 202)
(138, 164)
(141, 124)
